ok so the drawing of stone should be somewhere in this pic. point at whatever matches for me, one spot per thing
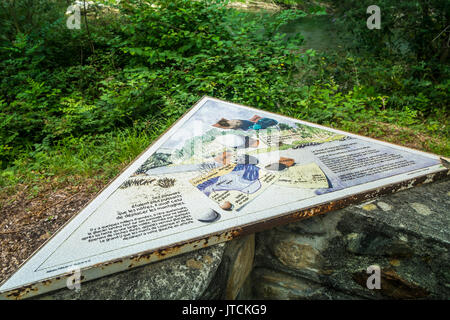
(209, 215)
(227, 206)
(282, 164)
(288, 162)
(276, 166)
(245, 159)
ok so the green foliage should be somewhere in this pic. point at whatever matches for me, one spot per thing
(99, 156)
(407, 59)
(309, 6)
(151, 62)
(409, 84)
(74, 102)
(407, 27)
(199, 48)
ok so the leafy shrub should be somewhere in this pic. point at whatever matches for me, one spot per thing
(151, 60)
(406, 26)
(68, 96)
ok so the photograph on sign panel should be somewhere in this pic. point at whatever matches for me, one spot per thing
(233, 154)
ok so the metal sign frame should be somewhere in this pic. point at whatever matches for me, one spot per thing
(329, 202)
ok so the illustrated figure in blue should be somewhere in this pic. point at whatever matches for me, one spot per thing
(244, 178)
(255, 123)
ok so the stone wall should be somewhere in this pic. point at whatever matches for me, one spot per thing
(325, 257)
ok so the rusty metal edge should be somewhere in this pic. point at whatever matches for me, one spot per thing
(59, 282)
(100, 191)
(143, 258)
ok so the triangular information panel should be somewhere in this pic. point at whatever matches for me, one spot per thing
(221, 167)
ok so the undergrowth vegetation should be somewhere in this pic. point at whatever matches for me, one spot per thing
(86, 102)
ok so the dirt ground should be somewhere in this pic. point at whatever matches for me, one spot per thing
(26, 222)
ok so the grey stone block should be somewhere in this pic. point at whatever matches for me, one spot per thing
(324, 257)
(274, 285)
(182, 277)
(407, 234)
